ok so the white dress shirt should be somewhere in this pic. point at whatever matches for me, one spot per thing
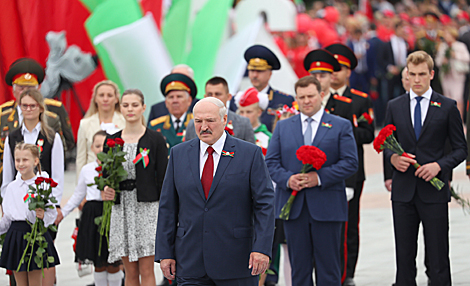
(325, 99)
(315, 122)
(340, 91)
(15, 209)
(173, 119)
(20, 113)
(217, 146)
(57, 160)
(424, 105)
(82, 190)
(399, 50)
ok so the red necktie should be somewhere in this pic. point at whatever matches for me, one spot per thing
(208, 172)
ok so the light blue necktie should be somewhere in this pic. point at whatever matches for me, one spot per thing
(418, 117)
(308, 132)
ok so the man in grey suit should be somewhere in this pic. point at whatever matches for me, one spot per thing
(217, 87)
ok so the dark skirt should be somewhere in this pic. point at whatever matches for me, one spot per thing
(88, 238)
(15, 245)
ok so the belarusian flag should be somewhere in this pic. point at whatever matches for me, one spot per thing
(27, 197)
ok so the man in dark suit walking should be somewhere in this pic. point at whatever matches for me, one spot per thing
(424, 120)
(216, 216)
(313, 230)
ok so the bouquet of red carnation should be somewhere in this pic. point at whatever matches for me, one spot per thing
(110, 173)
(386, 140)
(312, 159)
(39, 196)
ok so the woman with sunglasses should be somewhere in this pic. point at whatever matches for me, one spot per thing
(36, 130)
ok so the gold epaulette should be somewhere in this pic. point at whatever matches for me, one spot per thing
(7, 104)
(8, 111)
(53, 102)
(51, 114)
(158, 120)
(342, 98)
(360, 93)
(188, 118)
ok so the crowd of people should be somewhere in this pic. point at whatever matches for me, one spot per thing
(207, 179)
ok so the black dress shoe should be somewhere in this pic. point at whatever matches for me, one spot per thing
(349, 282)
(270, 283)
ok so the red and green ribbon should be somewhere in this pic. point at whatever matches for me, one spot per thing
(142, 156)
(227, 153)
(27, 197)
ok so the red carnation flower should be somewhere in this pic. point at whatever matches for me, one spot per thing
(100, 175)
(99, 169)
(378, 142)
(388, 130)
(54, 184)
(47, 180)
(39, 180)
(311, 155)
(367, 117)
(119, 141)
(111, 143)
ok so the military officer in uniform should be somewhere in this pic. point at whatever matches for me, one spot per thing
(23, 74)
(261, 62)
(179, 91)
(24, 66)
(364, 134)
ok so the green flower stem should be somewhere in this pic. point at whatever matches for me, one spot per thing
(392, 144)
(24, 253)
(35, 233)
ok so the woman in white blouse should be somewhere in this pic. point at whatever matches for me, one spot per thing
(103, 114)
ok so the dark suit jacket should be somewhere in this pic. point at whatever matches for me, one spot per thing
(441, 123)
(217, 235)
(328, 201)
(148, 180)
(374, 54)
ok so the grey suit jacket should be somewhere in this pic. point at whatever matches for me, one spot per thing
(241, 128)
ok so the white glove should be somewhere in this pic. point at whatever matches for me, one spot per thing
(349, 193)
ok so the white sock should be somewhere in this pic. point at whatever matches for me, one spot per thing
(114, 279)
(101, 278)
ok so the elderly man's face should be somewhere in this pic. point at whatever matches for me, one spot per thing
(177, 102)
(207, 122)
(18, 89)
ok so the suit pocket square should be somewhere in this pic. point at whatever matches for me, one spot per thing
(243, 232)
(180, 232)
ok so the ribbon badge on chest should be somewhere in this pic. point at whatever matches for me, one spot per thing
(142, 156)
(40, 144)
